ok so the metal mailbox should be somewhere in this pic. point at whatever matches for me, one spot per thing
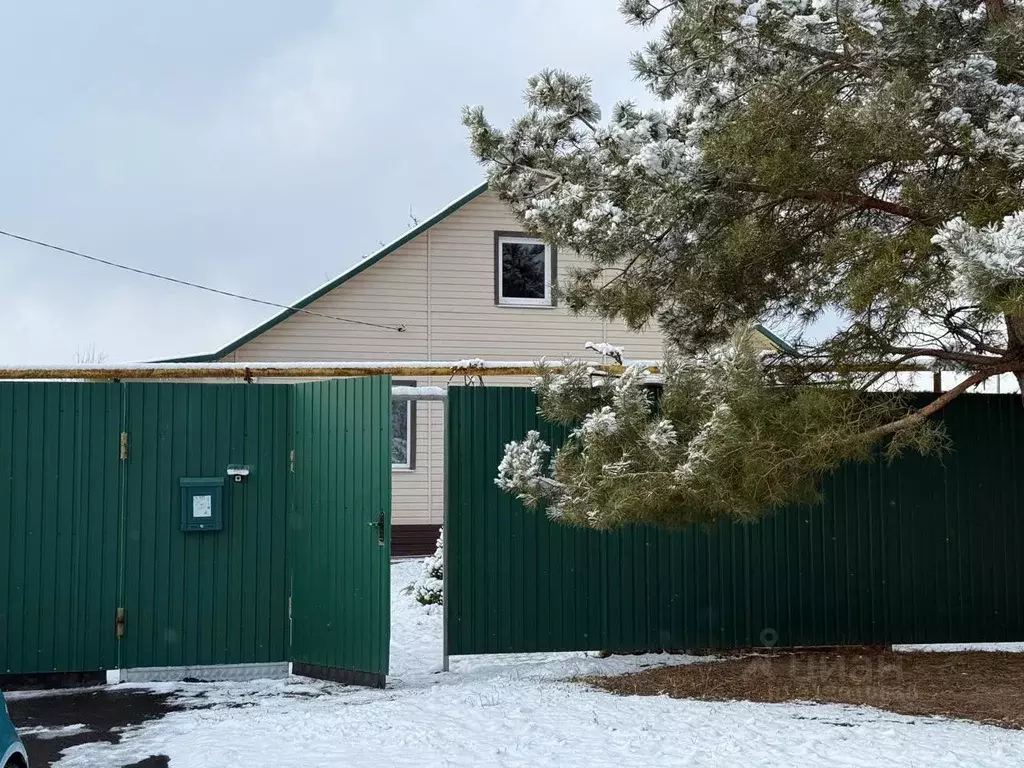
(202, 503)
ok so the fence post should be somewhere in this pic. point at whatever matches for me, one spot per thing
(444, 538)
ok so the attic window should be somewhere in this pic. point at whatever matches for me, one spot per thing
(524, 270)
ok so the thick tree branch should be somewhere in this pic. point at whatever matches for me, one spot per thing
(968, 358)
(996, 10)
(854, 199)
(1014, 334)
(964, 333)
(886, 372)
(918, 417)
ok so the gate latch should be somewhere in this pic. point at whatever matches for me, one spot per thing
(380, 528)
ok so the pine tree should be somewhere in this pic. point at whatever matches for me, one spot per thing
(858, 160)
(429, 587)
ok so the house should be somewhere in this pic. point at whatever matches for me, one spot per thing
(466, 283)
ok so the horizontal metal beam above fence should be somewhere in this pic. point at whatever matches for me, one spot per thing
(180, 371)
(312, 370)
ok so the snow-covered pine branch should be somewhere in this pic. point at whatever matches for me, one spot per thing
(721, 438)
(606, 349)
(990, 259)
(523, 468)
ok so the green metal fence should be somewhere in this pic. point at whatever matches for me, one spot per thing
(96, 571)
(58, 555)
(921, 550)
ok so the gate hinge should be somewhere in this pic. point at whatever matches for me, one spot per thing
(291, 461)
(119, 623)
(124, 446)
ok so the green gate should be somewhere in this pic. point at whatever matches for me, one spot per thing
(922, 550)
(341, 530)
(205, 597)
(149, 526)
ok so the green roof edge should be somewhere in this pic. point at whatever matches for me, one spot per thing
(369, 261)
(781, 343)
(345, 276)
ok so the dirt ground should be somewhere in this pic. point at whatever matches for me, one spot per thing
(103, 711)
(986, 687)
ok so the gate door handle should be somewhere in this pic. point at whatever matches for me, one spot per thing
(380, 528)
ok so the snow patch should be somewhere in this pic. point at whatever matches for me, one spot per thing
(59, 732)
(957, 647)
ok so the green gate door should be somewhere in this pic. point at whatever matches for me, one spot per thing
(212, 593)
(340, 530)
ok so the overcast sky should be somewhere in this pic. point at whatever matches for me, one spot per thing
(259, 146)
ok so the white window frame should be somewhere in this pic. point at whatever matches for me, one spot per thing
(516, 301)
(410, 435)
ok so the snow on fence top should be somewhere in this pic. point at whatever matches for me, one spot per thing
(418, 393)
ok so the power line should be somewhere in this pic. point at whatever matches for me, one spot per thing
(189, 284)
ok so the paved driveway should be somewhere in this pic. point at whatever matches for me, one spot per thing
(51, 721)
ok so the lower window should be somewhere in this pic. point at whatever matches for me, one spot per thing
(403, 431)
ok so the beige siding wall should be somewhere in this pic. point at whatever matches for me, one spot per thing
(465, 320)
(440, 287)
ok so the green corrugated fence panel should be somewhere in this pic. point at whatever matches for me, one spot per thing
(341, 578)
(83, 533)
(205, 597)
(59, 461)
(924, 549)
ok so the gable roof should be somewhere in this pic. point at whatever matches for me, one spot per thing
(366, 263)
(344, 277)
(781, 344)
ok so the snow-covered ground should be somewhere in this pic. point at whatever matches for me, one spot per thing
(520, 711)
(954, 647)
